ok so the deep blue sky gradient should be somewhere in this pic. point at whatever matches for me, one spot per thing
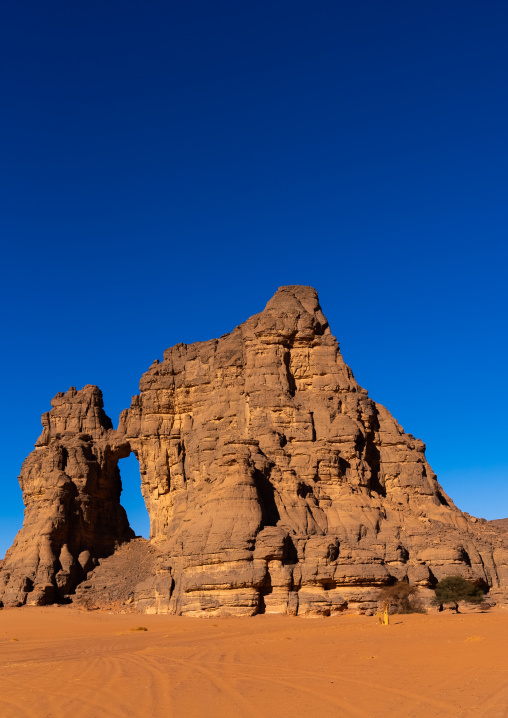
(167, 165)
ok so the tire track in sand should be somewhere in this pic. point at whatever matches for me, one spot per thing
(192, 665)
(230, 660)
(196, 663)
(495, 706)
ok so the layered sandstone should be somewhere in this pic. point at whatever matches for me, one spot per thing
(71, 489)
(273, 482)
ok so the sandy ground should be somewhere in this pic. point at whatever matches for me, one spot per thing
(60, 662)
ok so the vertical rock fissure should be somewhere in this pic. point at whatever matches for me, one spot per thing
(266, 495)
(289, 375)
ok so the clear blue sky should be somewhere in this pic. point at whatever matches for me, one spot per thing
(167, 165)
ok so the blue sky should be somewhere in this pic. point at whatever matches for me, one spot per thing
(166, 166)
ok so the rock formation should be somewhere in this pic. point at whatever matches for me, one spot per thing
(273, 483)
(71, 490)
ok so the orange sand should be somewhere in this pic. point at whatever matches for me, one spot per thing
(60, 662)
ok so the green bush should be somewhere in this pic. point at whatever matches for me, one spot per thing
(455, 588)
(401, 597)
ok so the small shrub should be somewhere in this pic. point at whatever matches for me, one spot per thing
(455, 588)
(401, 597)
(139, 628)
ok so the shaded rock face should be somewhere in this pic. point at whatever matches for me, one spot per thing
(272, 481)
(71, 490)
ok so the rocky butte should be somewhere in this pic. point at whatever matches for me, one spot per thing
(273, 484)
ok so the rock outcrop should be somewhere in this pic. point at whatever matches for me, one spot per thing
(119, 577)
(273, 484)
(71, 489)
(500, 523)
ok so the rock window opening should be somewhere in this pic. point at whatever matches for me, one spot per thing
(131, 498)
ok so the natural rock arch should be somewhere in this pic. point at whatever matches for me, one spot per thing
(272, 481)
(131, 497)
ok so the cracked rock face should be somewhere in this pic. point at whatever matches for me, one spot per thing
(273, 483)
(71, 490)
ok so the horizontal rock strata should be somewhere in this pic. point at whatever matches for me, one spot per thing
(273, 484)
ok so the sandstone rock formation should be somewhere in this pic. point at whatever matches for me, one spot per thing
(500, 523)
(71, 490)
(273, 483)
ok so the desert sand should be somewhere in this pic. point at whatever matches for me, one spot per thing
(58, 662)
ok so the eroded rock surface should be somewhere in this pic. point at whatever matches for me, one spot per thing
(119, 577)
(71, 489)
(273, 482)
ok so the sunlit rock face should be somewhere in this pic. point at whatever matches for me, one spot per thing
(272, 481)
(71, 490)
(275, 484)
